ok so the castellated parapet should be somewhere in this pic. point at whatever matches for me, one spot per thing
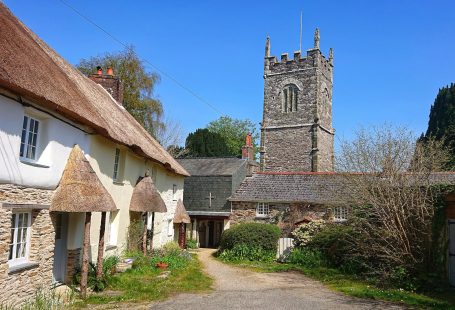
(296, 131)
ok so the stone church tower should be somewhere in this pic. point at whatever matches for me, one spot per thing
(296, 129)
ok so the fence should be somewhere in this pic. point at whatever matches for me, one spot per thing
(285, 246)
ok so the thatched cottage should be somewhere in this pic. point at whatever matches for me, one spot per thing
(49, 110)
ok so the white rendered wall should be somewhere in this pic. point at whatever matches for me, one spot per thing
(55, 141)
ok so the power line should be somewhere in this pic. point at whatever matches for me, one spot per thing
(191, 92)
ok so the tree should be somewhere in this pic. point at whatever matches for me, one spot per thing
(441, 124)
(394, 192)
(234, 132)
(204, 143)
(138, 85)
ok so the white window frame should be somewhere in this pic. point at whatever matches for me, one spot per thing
(262, 209)
(340, 213)
(115, 175)
(13, 260)
(25, 147)
(174, 192)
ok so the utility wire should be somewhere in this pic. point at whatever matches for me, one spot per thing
(191, 92)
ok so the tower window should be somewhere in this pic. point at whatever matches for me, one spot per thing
(290, 98)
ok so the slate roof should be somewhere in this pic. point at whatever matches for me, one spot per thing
(31, 69)
(307, 187)
(212, 166)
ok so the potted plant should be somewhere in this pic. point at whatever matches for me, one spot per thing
(162, 265)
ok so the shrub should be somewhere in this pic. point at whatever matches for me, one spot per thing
(306, 257)
(250, 241)
(135, 233)
(95, 284)
(171, 254)
(305, 232)
(191, 244)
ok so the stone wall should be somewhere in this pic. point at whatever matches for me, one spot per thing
(286, 216)
(73, 261)
(12, 193)
(17, 285)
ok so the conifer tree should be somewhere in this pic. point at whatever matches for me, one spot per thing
(204, 143)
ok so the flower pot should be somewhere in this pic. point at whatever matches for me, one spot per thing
(162, 265)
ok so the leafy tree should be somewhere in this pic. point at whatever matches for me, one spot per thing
(138, 85)
(234, 132)
(204, 143)
(441, 125)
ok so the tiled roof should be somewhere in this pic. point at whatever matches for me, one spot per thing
(307, 187)
(211, 166)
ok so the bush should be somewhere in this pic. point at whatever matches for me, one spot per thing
(305, 232)
(95, 284)
(306, 257)
(191, 244)
(171, 254)
(250, 241)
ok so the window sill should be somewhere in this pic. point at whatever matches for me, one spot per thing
(22, 267)
(34, 164)
(262, 217)
(111, 247)
(118, 183)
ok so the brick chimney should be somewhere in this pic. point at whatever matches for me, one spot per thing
(110, 82)
(248, 149)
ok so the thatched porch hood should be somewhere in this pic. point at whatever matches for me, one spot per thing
(146, 197)
(80, 190)
(181, 216)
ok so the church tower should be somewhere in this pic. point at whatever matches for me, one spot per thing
(296, 128)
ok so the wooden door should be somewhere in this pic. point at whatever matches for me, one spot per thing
(452, 252)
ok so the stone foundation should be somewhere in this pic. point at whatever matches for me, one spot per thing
(18, 285)
(286, 216)
(73, 261)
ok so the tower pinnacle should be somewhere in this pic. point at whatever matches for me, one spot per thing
(267, 47)
(316, 38)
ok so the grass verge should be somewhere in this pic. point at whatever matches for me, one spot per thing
(353, 286)
(144, 284)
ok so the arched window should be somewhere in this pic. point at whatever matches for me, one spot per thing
(290, 98)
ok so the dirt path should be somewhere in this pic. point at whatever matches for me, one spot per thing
(237, 288)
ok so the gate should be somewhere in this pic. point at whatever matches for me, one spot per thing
(452, 252)
(285, 246)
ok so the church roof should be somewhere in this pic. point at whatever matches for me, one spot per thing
(212, 166)
(326, 188)
(34, 71)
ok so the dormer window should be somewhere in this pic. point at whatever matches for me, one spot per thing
(290, 98)
(29, 138)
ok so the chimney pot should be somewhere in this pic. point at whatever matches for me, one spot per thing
(110, 71)
(99, 70)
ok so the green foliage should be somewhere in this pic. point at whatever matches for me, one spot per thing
(241, 252)
(191, 244)
(250, 241)
(305, 232)
(234, 132)
(44, 300)
(306, 257)
(204, 143)
(134, 238)
(441, 124)
(171, 254)
(98, 285)
(138, 84)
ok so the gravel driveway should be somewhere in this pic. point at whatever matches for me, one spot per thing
(237, 288)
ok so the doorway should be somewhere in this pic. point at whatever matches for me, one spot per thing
(60, 250)
(452, 252)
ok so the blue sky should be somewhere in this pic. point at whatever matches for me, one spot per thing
(391, 57)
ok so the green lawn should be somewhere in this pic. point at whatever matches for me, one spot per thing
(143, 284)
(353, 286)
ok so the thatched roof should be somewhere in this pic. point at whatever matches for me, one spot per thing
(181, 216)
(31, 69)
(80, 190)
(146, 198)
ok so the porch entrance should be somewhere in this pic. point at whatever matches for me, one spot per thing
(452, 252)
(60, 250)
(210, 233)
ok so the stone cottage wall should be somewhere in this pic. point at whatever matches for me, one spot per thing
(18, 285)
(287, 216)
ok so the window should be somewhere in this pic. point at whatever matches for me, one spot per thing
(29, 138)
(116, 165)
(340, 214)
(290, 98)
(262, 209)
(170, 228)
(174, 192)
(20, 237)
